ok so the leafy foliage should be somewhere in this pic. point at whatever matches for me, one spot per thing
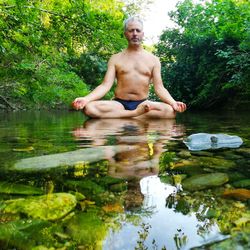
(46, 48)
(206, 58)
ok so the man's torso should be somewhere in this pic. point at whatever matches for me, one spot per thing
(134, 72)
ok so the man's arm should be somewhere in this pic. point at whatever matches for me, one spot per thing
(100, 90)
(162, 92)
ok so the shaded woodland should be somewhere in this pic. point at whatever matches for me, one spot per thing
(53, 51)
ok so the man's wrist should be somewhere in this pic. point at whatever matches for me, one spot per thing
(86, 100)
(173, 104)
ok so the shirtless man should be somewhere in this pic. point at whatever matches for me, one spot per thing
(134, 68)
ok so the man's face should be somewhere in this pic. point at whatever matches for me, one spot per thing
(134, 32)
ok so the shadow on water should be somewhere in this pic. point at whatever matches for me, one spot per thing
(121, 183)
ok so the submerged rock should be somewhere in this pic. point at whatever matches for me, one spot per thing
(245, 152)
(203, 181)
(113, 208)
(197, 165)
(12, 188)
(46, 207)
(184, 154)
(88, 229)
(242, 183)
(118, 187)
(238, 194)
(204, 141)
(72, 158)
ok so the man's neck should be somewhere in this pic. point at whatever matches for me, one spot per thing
(134, 48)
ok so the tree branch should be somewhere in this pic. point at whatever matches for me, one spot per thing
(7, 102)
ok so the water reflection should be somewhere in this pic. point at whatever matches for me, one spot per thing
(161, 227)
(144, 140)
(162, 223)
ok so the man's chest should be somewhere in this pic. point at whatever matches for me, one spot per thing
(134, 66)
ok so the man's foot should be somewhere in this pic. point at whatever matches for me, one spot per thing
(142, 109)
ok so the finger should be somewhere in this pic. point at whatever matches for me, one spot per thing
(183, 107)
(75, 105)
(74, 102)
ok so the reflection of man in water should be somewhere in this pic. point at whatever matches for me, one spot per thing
(143, 139)
(134, 69)
(143, 142)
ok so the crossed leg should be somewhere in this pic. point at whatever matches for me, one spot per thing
(158, 110)
(114, 109)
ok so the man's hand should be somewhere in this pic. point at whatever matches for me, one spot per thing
(179, 106)
(79, 103)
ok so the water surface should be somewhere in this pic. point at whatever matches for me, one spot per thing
(148, 208)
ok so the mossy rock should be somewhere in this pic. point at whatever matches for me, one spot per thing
(244, 152)
(238, 194)
(242, 183)
(202, 153)
(119, 187)
(184, 154)
(216, 163)
(88, 229)
(107, 181)
(46, 207)
(12, 188)
(87, 187)
(196, 165)
(236, 176)
(90, 189)
(231, 155)
(167, 179)
(203, 181)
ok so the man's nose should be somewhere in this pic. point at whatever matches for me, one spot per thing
(135, 32)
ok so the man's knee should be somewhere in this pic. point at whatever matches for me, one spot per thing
(90, 110)
(171, 113)
(165, 110)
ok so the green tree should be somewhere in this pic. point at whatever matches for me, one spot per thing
(42, 44)
(206, 59)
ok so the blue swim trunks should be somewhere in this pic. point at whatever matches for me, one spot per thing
(129, 104)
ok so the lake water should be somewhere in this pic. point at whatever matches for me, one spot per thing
(132, 179)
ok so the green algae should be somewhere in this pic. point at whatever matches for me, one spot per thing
(15, 234)
(46, 207)
(81, 227)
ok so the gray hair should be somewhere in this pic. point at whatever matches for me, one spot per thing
(132, 19)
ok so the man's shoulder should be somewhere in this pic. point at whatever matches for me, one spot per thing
(116, 56)
(113, 59)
